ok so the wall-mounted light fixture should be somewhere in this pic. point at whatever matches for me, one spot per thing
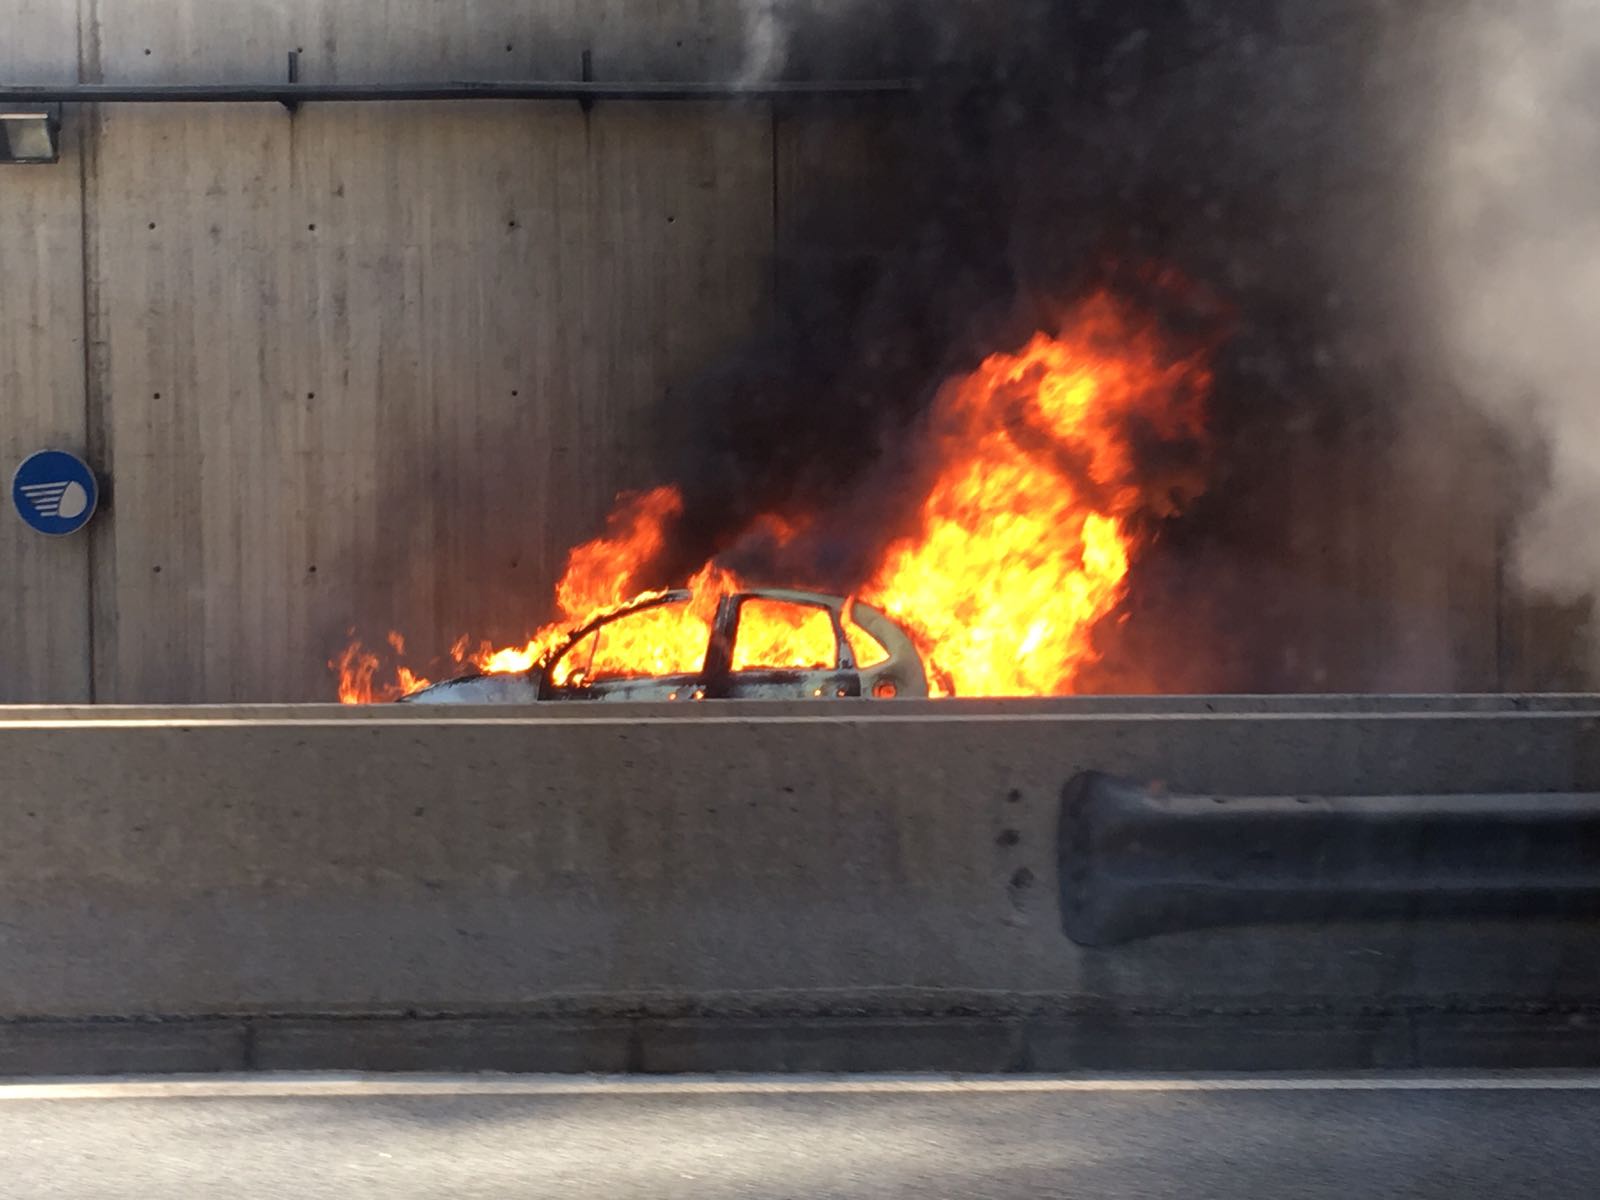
(30, 133)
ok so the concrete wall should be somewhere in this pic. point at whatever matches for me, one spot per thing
(386, 364)
(374, 364)
(382, 366)
(44, 582)
(206, 867)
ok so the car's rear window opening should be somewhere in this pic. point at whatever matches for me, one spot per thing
(782, 635)
(867, 650)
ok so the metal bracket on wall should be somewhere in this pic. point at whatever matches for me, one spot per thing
(30, 133)
(294, 77)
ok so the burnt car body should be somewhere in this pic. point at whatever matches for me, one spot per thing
(889, 667)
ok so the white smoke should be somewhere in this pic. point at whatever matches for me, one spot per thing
(767, 27)
(770, 27)
(1511, 233)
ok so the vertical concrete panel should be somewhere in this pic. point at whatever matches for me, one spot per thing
(44, 605)
(1547, 646)
(1437, 530)
(505, 294)
(187, 221)
(1394, 526)
(1396, 575)
(380, 366)
(190, 219)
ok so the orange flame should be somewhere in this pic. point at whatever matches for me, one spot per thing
(356, 668)
(1023, 542)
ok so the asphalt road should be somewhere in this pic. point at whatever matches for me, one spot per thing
(406, 1139)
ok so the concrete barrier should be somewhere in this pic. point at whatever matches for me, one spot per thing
(599, 890)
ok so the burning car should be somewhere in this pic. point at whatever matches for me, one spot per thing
(758, 643)
(1037, 479)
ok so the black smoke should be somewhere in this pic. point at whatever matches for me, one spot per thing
(1056, 147)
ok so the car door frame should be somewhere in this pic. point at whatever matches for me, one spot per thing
(721, 682)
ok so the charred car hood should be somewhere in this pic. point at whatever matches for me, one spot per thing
(521, 687)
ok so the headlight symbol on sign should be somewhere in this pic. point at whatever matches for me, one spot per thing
(54, 492)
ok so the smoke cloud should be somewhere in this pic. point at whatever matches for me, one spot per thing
(1512, 221)
(766, 41)
(1386, 203)
(773, 28)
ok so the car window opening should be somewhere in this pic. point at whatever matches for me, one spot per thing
(783, 635)
(867, 650)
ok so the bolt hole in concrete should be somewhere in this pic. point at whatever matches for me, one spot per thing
(1018, 891)
(1008, 837)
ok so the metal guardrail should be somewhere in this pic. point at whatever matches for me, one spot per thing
(1136, 861)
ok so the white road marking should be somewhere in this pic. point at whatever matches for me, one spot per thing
(267, 1086)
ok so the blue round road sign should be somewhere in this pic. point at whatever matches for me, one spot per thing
(54, 492)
